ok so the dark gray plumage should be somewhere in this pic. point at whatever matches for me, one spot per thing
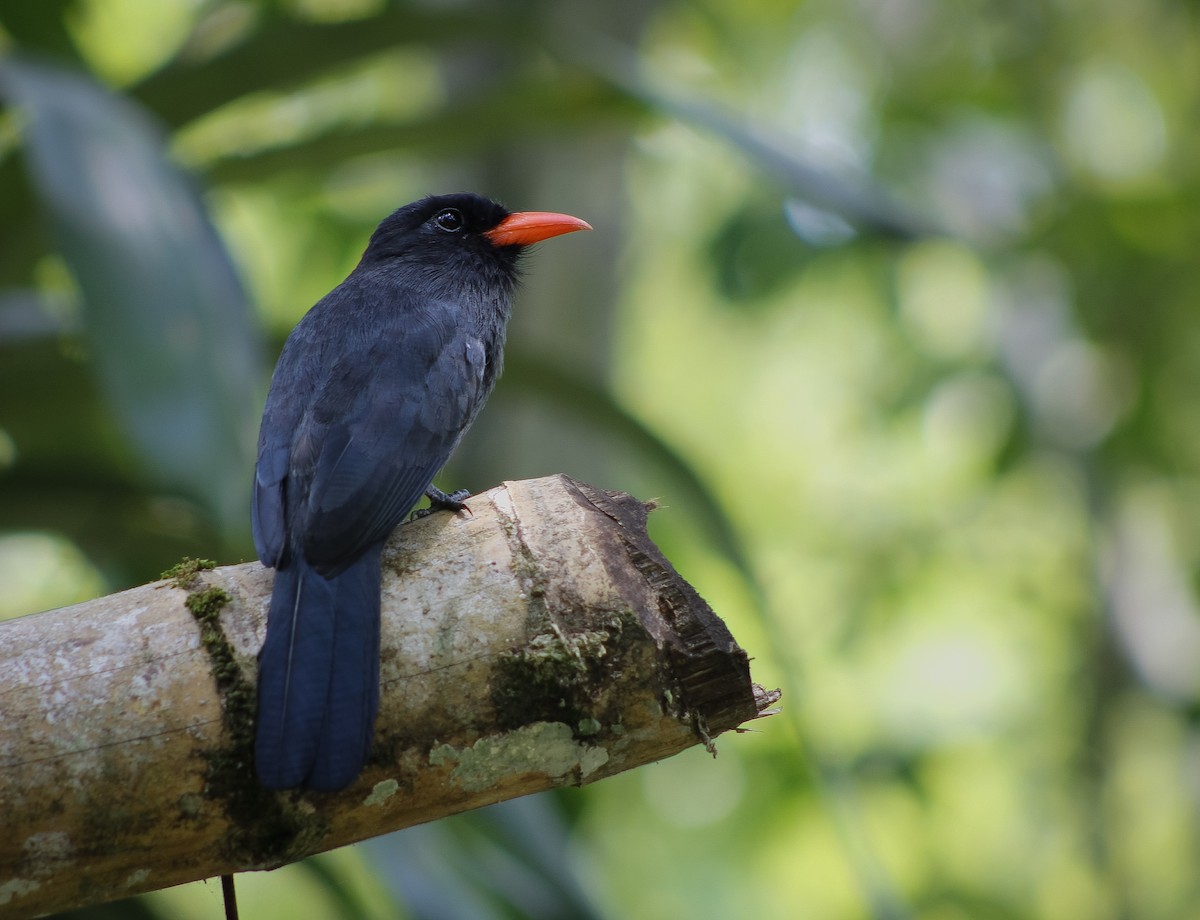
(374, 389)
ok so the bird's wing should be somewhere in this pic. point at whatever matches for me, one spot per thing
(268, 508)
(377, 437)
(267, 503)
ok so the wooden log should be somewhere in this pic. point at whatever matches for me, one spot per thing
(541, 640)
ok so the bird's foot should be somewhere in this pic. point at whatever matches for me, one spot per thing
(441, 501)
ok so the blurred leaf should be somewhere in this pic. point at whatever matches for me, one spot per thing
(167, 320)
(24, 317)
(72, 472)
(509, 861)
(39, 25)
(128, 909)
(349, 903)
(861, 201)
(508, 112)
(22, 241)
(754, 254)
(281, 51)
(82, 442)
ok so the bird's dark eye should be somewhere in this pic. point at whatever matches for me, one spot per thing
(450, 220)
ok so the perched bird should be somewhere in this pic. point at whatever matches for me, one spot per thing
(375, 387)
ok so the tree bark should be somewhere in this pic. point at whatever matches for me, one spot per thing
(542, 640)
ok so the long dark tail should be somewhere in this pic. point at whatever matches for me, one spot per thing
(318, 676)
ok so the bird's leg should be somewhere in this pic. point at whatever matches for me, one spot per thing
(441, 501)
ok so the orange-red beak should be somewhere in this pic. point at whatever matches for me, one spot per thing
(527, 227)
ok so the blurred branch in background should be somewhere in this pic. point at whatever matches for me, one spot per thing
(862, 203)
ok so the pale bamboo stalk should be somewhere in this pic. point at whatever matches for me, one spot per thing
(542, 640)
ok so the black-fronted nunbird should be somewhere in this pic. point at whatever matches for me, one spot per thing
(375, 387)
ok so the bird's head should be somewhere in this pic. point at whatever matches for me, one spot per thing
(442, 229)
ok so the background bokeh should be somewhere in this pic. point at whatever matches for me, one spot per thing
(891, 303)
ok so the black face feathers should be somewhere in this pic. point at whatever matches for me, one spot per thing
(438, 223)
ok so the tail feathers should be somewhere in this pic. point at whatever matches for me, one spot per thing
(345, 739)
(318, 685)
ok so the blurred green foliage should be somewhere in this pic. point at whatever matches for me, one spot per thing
(931, 451)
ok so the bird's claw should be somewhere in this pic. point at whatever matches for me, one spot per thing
(442, 501)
